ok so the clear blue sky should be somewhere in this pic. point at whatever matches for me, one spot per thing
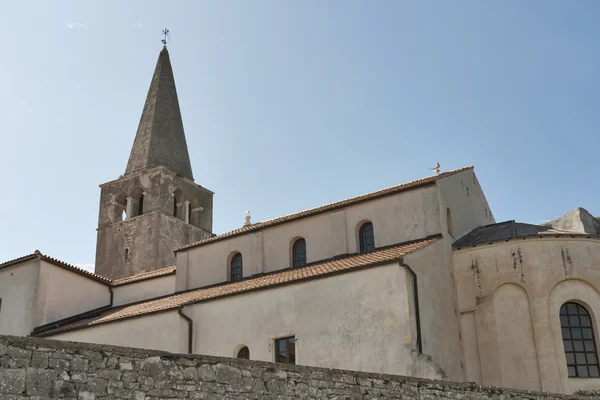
(289, 105)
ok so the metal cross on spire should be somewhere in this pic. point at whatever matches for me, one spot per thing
(166, 35)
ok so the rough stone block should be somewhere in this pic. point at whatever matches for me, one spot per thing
(39, 359)
(64, 389)
(17, 352)
(59, 364)
(12, 381)
(79, 364)
(40, 382)
(206, 373)
(226, 373)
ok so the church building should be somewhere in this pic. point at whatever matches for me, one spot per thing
(416, 279)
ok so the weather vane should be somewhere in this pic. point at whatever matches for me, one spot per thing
(165, 32)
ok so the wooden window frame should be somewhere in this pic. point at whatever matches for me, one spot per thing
(290, 348)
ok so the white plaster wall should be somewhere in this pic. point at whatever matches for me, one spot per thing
(537, 265)
(397, 218)
(147, 289)
(513, 320)
(207, 265)
(360, 320)
(62, 294)
(162, 331)
(18, 286)
(465, 198)
(438, 307)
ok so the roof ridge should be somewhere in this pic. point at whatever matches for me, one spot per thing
(144, 275)
(326, 207)
(55, 261)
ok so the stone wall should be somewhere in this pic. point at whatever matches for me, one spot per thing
(39, 369)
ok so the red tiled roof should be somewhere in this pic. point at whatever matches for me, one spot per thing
(58, 263)
(316, 270)
(144, 276)
(328, 207)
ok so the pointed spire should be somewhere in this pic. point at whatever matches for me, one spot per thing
(160, 139)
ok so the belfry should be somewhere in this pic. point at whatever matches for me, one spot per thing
(155, 207)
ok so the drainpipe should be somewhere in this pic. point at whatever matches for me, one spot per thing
(112, 295)
(416, 295)
(190, 328)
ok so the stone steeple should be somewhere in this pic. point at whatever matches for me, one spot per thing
(160, 139)
(155, 208)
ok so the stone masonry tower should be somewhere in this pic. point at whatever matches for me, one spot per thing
(155, 207)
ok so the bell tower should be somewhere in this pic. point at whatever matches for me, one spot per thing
(155, 207)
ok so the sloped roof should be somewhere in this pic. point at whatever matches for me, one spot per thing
(578, 220)
(316, 270)
(145, 276)
(328, 207)
(160, 138)
(507, 230)
(37, 254)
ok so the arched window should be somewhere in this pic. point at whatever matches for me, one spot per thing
(236, 267)
(299, 253)
(141, 205)
(579, 341)
(366, 238)
(449, 221)
(244, 353)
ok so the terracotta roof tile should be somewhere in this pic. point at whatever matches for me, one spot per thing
(146, 275)
(58, 263)
(328, 207)
(316, 270)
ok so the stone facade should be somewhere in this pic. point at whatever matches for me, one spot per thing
(155, 207)
(175, 212)
(36, 369)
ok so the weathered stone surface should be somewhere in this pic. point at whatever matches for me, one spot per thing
(12, 381)
(40, 382)
(39, 360)
(153, 375)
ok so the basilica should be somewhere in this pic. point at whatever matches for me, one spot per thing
(415, 279)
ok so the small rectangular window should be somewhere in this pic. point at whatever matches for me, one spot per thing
(285, 350)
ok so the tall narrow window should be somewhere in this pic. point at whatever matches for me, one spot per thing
(236, 267)
(579, 341)
(366, 238)
(285, 350)
(244, 353)
(449, 221)
(141, 205)
(174, 206)
(299, 253)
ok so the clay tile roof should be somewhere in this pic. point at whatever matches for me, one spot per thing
(58, 263)
(144, 276)
(312, 271)
(507, 230)
(329, 207)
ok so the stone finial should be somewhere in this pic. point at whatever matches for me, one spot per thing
(247, 218)
(37, 253)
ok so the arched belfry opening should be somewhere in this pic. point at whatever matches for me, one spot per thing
(155, 207)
